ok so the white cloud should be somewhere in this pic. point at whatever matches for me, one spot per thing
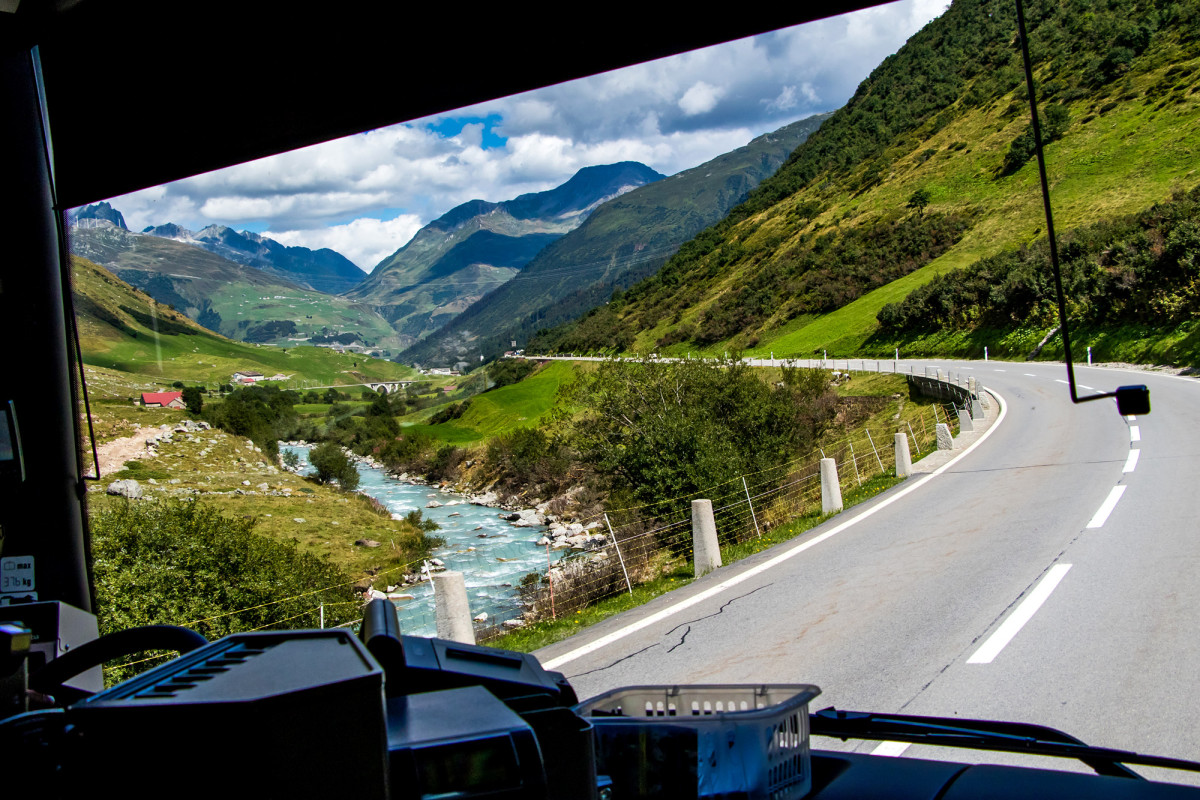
(700, 99)
(365, 241)
(671, 114)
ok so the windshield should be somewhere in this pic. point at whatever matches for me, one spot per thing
(741, 366)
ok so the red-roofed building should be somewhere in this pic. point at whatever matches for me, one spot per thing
(163, 399)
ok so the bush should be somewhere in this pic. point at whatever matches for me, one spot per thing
(261, 413)
(183, 563)
(673, 429)
(193, 399)
(332, 464)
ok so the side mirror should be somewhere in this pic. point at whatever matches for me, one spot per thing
(1133, 400)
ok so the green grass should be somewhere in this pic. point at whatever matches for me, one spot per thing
(521, 404)
(195, 354)
(1117, 163)
(1109, 163)
(1134, 344)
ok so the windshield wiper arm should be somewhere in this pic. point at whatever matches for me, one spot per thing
(1009, 737)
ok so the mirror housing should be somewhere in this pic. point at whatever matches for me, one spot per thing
(1133, 400)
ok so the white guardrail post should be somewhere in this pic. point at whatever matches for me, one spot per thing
(451, 611)
(903, 456)
(706, 553)
(831, 490)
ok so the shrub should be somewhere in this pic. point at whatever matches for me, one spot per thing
(183, 563)
(332, 464)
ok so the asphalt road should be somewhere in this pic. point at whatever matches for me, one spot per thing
(908, 610)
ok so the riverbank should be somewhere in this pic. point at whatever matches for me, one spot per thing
(493, 546)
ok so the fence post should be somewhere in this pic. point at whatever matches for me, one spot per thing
(903, 457)
(706, 553)
(618, 549)
(550, 580)
(757, 530)
(854, 462)
(914, 437)
(944, 440)
(451, 612)
(831, 491)
(876, 449)
(322, 616)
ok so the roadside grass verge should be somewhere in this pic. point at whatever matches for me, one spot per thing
(1132, 344)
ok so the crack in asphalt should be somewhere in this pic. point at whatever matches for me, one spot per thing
(707, 616)
(613, 664)
(681, 640)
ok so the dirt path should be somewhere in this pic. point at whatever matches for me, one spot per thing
(114, 454)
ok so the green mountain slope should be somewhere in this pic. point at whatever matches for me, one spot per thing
(623, 241)
(237, 301)
(125, 329)
(926, 162)
(478, 246)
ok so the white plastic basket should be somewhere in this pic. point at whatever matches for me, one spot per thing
(704, 741)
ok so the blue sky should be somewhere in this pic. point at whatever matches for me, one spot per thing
(366, 195)
(447, 127)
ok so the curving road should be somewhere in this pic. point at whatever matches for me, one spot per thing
(998, 588)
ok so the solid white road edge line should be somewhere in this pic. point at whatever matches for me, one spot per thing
(890, 749)
(1107, 507)
(1017, 619)
(1131, 462)
(791, 552)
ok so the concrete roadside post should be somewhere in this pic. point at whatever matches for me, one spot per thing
(965, 423)
(903, 457)
(945, 441)
(451, 612)
(706, 553)
(831, 490)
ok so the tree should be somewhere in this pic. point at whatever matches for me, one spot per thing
(193, 399)
(918, 200)
(332, 464)
(262, 413)
(670, 429)
(290, 459)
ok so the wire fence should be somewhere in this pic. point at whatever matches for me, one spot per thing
(646, 542)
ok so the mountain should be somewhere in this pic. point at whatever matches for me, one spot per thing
(324, 270)
(225, 296)
(479, 245)
(97, 213)
(927, 170)
(624, 240)
(123, 328)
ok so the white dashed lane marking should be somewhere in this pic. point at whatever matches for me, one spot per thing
(1021, 615)
(1107, 507)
